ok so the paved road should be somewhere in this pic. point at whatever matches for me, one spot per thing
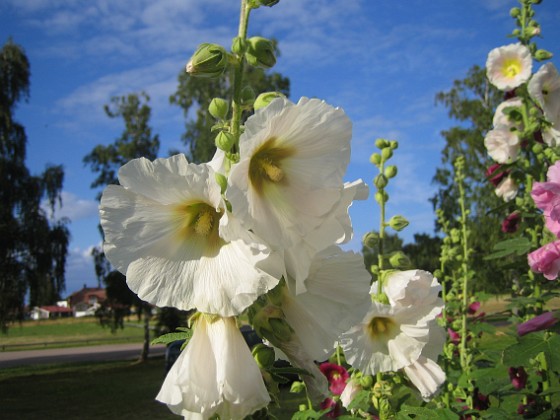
(77, 354)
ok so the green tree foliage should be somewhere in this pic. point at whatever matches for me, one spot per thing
(194, 94)
(33, 246)
(472, 101)
(136, 140)
(424, 252)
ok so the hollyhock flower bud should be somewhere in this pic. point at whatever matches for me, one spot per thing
(260, 52)
(511, 223)
(224, 141)
(263, 355)
(454, 336)
(265, 98)
(391, 171)
(399, 260)
(218, 108)
(370, 239)
(473, 308)
(546, 260)
(375, 158)
(382, 143)
(542, 55)
(398, 223)
(209, 60)
(518, 377)
(538, 323)
(380, 181)
(239, 45)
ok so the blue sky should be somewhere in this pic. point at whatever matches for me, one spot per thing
(383, 62)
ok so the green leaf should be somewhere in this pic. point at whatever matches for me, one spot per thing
(425, 413)
(517, 246)
(529, 346)
(309, 415)
(171, 337)
(361, 401)
(491, 380)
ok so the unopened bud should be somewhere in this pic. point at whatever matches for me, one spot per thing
(393, 144)
(375, 158)
(386, 153)
(381, 197)
(398, 223)
(391, 171)
(224, 141)
(370, 239)
(280, 328)
(537, 148)
(400, 261)
(247, 96)
(515, 12)
(268, 3)
(265, 98)
(296, 388)
(366, 381)
(381, 143)
(263, 355)
(218, 108)
(541, 55)
(221, 181)
(209, 60)
(260, 52)
(380, 181)
(239, 45)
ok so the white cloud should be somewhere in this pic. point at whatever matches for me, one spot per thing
(80, 270)
(73, 207)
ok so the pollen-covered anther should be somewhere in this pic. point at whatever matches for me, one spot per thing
(271, 170)
(380, 326)
(203, 224)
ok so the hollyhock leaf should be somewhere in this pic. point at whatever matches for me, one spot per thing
(490, 380)
(171, 337)
(426, 413)
(517, 246)
(529, 346)
(361, 401)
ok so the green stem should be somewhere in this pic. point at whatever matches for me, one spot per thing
(381, 232)
(237, 109)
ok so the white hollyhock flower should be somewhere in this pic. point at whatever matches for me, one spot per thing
(509, 66)
(336, 298)
(336, 229)
(502, 144)
(398, 335)
(162, 230)
(544, 88)
(351, 389)
(215, 374)
(502, 120)
(289, 177)
(507, 189)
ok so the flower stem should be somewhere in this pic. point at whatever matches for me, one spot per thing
(238, 76)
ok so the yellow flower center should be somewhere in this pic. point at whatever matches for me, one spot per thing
(381, 326)
(266, 165)
(511, 67)
(197, 220)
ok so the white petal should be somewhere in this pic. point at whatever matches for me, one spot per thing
(215, 374)
(336, 298)
(501, 119)
(498, 68)
(503, 145)
(426, 375)
(544, 88)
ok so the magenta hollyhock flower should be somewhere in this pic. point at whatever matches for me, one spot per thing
(546, 260)
(538, 323)
(547, 198)
(336, 375)
(335, 406)
(511, 223)
(454, 336)
(495, 175)
(518, 377)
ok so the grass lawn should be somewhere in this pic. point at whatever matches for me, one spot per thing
(109, 390)
(66, 332)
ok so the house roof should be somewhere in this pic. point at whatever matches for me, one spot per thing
(54, 308)
(86, 293)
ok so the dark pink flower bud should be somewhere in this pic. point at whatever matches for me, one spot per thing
(454, 336)
(538, 323)
(473, 308)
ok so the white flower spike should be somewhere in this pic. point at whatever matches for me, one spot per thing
(509, 66)
(292, 161)
(162, 230)
(215, 374)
